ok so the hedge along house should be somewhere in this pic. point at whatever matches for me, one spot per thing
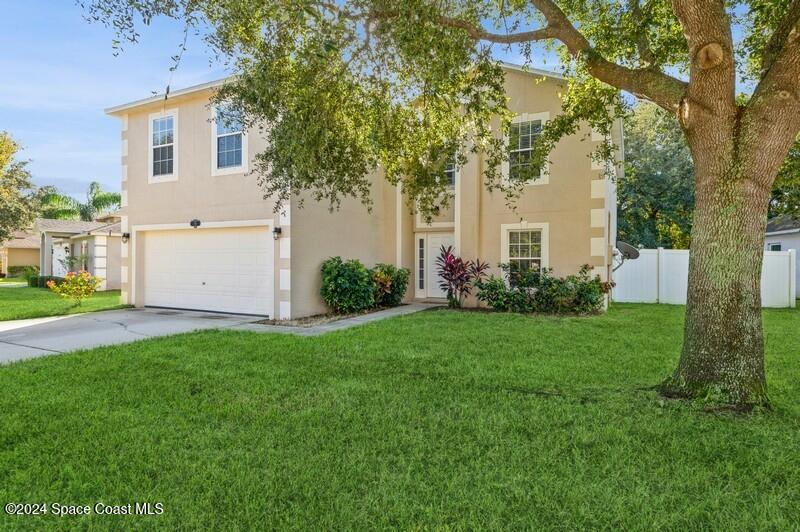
(21, 250)
(94, 246)
(198, 233)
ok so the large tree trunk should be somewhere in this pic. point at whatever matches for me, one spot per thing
(722, 359)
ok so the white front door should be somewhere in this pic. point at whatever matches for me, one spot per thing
(223, 270)
(60, 254)
(429, 247)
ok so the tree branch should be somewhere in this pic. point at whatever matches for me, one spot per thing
(772, 117)
(712, 71)
(479, 34)
(650, 84)
(642, 44)
(779, 37)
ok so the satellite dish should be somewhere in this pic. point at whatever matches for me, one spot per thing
(628, 251)
(624, 252)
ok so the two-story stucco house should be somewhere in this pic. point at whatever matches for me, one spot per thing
(198, 233)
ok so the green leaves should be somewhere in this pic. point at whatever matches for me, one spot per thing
(656, 196)
(342, 89)
(17, 193)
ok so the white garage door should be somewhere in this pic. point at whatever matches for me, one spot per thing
(223, 270)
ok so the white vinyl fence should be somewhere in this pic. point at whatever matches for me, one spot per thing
(662, 275)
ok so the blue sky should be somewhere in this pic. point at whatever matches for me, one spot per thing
(60, 72)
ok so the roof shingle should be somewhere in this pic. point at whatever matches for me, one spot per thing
(783, 222)
(66, 226)
(22, 240)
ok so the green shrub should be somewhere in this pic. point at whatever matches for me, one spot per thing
(42, 280)
(29, 272)
(390, 284)
(33, 282)
(540, 291)
(347, 286)
(19, 271)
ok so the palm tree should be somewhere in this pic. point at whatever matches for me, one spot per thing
(64, 207)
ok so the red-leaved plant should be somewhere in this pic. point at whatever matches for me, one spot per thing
(457, 276)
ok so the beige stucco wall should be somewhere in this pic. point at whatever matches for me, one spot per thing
(577, 204)
(113, 263)
(565, 203)
(196, 194)
(351, 232)
(18, 257)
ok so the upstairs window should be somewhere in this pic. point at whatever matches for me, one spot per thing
(163, 142)
(775, 246)
(163, 146)
(450, 173)
(521, 139)
(229, 139)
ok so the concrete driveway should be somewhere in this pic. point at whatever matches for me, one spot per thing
(23, 339)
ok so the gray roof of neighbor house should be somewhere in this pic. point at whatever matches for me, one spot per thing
(22, 240)
(783, 224)
(66, 226)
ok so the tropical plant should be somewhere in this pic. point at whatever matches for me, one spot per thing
(70, 262)
(76, 286)
(390, 284)
(457, 276)
(64, 207)
(18, 203)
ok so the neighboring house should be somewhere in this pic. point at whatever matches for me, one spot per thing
(22, 249)
(200, 235)
(783, 234)
(95, 246)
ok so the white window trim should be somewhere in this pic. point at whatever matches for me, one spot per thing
(544, 178)
(522, 226)
(151, 179)
(230, 170)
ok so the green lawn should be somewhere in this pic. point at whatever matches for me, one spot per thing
(22, 303)
(440, 419)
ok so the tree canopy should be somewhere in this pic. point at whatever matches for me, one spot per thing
(786, 190)
(656, 194)
(341, 88)
(18, 198)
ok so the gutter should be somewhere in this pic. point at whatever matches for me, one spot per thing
(784, 232)
(118, 109)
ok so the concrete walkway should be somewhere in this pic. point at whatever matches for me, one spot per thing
(346, 323)
(23, 339)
